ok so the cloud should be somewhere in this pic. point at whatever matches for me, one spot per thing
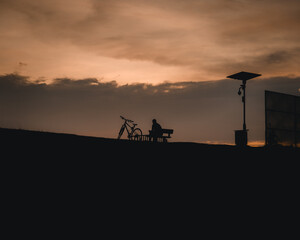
(198, 111)
(198, 37)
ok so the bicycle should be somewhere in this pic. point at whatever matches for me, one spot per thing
(135, 133)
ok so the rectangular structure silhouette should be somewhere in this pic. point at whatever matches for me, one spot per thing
(282, 119)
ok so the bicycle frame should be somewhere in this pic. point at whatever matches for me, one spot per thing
(127, 127)
(130, 129)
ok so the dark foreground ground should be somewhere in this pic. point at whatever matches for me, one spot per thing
(109, 162)
(24, 143)
(70, 179)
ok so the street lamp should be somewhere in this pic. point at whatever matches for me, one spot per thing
(241, 135)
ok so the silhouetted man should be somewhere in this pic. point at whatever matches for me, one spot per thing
(156, 131)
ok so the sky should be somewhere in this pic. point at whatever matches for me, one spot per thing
(166, 59)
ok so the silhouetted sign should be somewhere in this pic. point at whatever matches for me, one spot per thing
(282, 119)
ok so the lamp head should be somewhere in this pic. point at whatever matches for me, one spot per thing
(239, 92)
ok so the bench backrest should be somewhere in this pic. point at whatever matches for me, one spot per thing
(169, 131)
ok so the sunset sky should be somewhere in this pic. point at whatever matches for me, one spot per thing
(140, 50)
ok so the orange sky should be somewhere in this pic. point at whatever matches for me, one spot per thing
(149, 41)
(145, 59)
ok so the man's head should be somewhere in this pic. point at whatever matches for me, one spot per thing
(154, 121)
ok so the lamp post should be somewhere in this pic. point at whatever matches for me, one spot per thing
(241, 138)
(243, 87)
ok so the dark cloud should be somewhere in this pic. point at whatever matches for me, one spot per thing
(198, 111)
(279, 57)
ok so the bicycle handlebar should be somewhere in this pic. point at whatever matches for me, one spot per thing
(127, 120)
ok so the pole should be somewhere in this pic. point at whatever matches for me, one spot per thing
(244, 105)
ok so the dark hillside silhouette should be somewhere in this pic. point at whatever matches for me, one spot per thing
(23, 143)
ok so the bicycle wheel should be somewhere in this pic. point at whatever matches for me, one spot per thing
(121, 132)
(137, 134)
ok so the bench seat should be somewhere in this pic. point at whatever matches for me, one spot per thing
(166, 134)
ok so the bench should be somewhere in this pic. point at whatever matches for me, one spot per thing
(166, 134)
